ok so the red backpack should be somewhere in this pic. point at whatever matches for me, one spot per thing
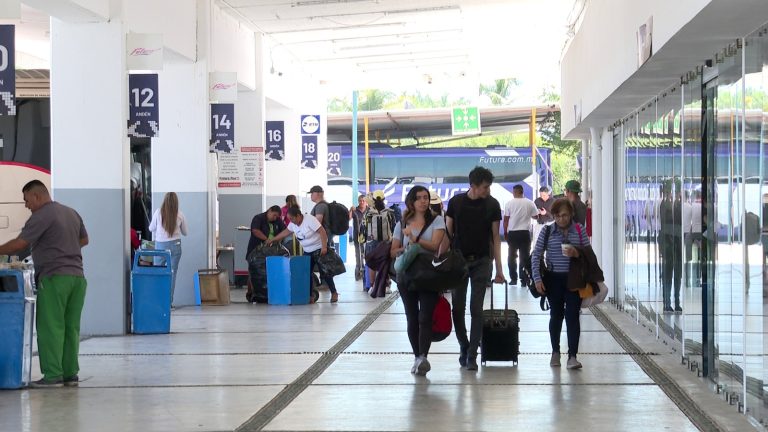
(441, 319)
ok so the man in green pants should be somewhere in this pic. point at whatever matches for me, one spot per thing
(56, 234)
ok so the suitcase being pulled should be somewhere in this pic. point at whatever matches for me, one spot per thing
(501, 331)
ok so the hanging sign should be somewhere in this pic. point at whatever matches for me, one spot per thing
(222, 128)
(222, 86)
(334, 161)
(309, 151)
(144, 51)
(310, 125)
(275, 140)
(144, 107)
(7, 70)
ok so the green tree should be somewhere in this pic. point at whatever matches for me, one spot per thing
(500, 92)
(564, 152)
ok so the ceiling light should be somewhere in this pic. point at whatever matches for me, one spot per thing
(327, 2)
(390, 12)
(412, 60)
(339, 28)
(380, 55)
(407, 35)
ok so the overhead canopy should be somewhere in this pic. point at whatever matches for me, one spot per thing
(429, 123)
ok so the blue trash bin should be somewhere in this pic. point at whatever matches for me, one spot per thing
(151, 292)
(288, 280)
(17, 315)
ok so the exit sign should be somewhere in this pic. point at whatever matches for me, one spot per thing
(465, 121)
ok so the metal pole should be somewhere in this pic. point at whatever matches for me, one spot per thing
(532, 143)
(367, 159)
(354, 179)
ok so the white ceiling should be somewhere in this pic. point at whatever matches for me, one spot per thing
(401, 43)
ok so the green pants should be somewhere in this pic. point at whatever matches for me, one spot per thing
(59, 305)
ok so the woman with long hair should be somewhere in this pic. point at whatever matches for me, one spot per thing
(168, 225)
(290, 201)
(419, 227)
(560, 241)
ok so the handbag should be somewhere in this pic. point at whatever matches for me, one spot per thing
(405, 259)
(441, 319)
(600, 292)
(330, 264)
(441, 272)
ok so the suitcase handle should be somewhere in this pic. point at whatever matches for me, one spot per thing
(506, 299)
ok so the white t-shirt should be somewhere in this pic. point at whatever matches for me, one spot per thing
(161, 235)
(520, 211)
(307, 233)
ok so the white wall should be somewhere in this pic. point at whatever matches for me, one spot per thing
(603, 54)
(176, 20)
(233, 48)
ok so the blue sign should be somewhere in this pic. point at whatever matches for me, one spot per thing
(144, 107)
(310, 125)
(222, 128)
(275, 141)
(334, 161)
(309, 151)
(7, 70)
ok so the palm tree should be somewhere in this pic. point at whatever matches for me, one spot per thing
(500, 92)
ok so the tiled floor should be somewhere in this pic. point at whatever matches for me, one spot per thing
(221, 365)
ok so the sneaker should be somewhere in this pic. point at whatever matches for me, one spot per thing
(423, 366)
(554, 361)
(415, 365)
(44, 383)
(573, 363)
(334, 297)
(472, 363)
(678, 309)
(513, 282)
(72, 381)
(463, 352)
(667, 308)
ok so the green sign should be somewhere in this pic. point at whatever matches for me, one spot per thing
(465, 121)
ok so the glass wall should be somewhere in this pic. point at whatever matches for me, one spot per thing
(691, 172)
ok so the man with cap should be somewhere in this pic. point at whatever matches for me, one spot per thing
(572, 191)
(321, 211)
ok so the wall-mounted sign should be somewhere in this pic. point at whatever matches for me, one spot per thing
(144, 106)
(334, 161)
(309, 151)
(310, 124)
(144, 51)
(465, 121)
(7, 70)
(222, 86)
(241, 171)
(275, 139)
(645, 42)
(222, 128)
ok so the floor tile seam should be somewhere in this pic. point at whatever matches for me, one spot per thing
(477, 384)
(319, 353)
(285, 397)
(666, 383)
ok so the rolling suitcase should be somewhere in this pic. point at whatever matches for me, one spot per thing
(501, 332)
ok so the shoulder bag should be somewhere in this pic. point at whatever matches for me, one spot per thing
(404, 260)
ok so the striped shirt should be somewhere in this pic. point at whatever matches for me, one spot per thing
(556, 261)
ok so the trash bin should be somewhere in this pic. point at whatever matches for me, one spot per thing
(17, 315)
(151, 292)
(288, 280)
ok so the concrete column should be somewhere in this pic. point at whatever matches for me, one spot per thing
(595, 187)
(90, 156)
(180, 162)
(585, 162)
(607, 208)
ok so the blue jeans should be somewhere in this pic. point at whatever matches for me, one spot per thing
(173, 246)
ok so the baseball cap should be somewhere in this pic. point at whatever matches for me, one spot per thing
(315, 188)
(434, 198)
(573, 186)
(377, 194)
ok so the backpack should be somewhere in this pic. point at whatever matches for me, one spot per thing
(379, 225)
(397, 212)
(441, 319)
(339, 218)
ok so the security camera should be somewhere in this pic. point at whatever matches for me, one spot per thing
(429, 80)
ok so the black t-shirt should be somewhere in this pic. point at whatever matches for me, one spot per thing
(473, 222)
(260, 223)
(546, 205)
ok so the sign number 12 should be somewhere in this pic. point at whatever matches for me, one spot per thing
(147, 93)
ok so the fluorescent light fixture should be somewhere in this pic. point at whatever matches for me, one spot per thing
(340, 28)
(412, 66)
(328, 2)
(406, 35)
(403, 44)
(380, 55)
(413, 60)
(391, 12)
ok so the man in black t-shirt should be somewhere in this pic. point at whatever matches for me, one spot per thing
(473, 218)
